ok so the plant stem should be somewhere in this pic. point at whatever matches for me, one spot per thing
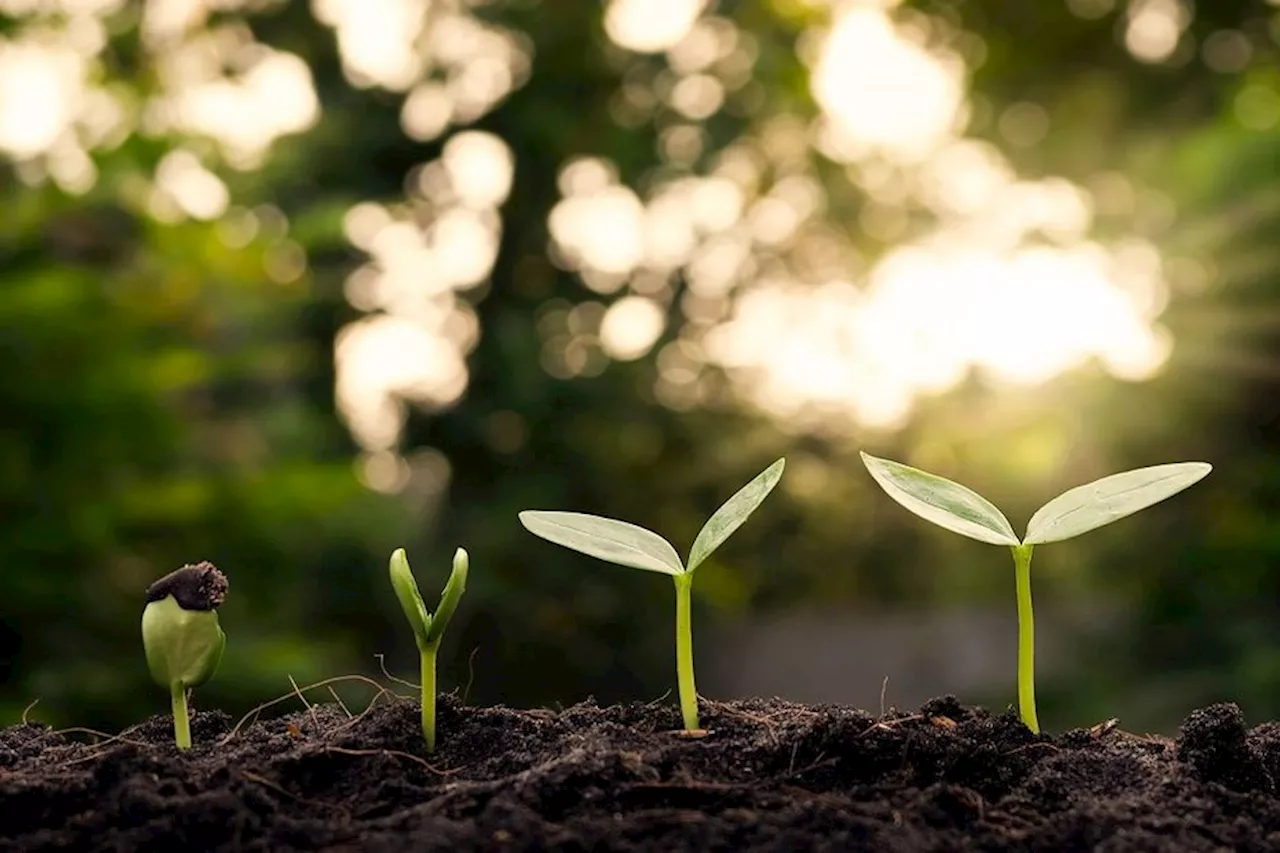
(1026, 639)
(429, 695)
(181, 724)
(684, 653)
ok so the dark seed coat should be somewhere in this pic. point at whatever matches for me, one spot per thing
(195, 587)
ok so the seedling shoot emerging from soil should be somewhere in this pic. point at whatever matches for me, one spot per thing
(1079, 510)
(181, 636)
(428, 628)
(628, 545)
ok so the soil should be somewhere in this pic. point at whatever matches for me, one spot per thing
(769, 775)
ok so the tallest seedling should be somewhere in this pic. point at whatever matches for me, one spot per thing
(628, 545)
(1079, 510)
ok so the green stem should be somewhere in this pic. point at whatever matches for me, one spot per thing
(429, 695)
(1026, 639)
(181, 724)
(684, 653)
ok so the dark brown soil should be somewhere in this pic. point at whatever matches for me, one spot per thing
(769, 776)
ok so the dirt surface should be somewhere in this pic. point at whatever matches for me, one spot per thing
(770, 775)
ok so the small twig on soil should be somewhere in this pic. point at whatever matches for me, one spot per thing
(691, 734)
(358, 717)
(768, 720)
(341, 704)
(471, 674)
(690, 785)
(96, 750)
(659, 700)
(1100, 729)
(253, 713)
(820, 762)
(267, 783)
(315, 723)
(1157, 740)
(27, 710)
(107, 737)
(393, 752)
(1033, 746)
(1106, 727)
(884, 688)
(382, 665)
(886, 725)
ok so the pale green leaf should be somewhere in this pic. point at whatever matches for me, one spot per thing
(946, 504)
(406, 589)
(605, 538)
(453, 590)
(733, 512)
(181, 646)
(1101, 502)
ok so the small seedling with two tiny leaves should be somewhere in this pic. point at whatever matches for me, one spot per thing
(428, 628)
(626, 544)
(181, 636)
(960, 510)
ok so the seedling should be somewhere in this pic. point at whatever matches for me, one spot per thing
(628, 545)
(181, 636)
(1079, 510)
(428, 628)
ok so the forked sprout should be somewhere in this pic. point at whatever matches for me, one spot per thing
(428, 628)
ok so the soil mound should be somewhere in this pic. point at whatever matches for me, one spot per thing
(769, 775)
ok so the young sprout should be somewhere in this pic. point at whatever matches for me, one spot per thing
(628, 545)
(1079, 510)
(181, 636)
(428, 628)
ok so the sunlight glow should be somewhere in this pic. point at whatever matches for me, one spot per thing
(883, 93)
(212, 80)
(631, 327)
(376, 39)
(41, 86)
(413, 345)
(197, 192)
(601, 230)
(648, 26)
(273, 96)
(454, 67)
(1154, 28)
(385, 360)
(444, 239)
(930, 314)
(1005, 282)
(480, 167)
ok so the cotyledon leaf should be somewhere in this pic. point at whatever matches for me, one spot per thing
(406, 590)
(605, 538)
(939, 500)
(1101, 502)
(733, 512)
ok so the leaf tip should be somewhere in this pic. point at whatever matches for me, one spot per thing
(872, 463)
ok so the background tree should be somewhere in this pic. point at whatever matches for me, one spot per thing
(285, 285)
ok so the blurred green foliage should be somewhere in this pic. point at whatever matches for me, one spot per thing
(168, 395)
